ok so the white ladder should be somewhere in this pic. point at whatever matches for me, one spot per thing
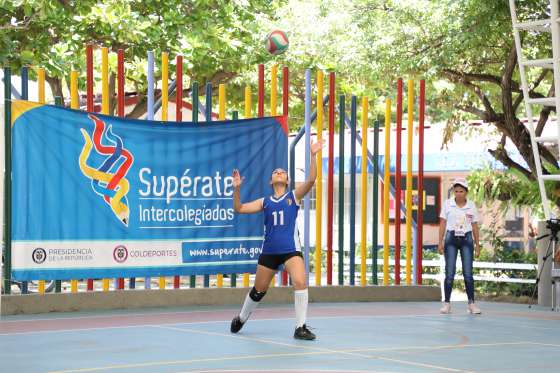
(551, 25)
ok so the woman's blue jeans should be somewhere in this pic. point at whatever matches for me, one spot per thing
(464, 245)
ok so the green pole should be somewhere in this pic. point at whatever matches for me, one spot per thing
(342, 116)
(58, 283)
(375, 223)
(7, 275)
(195, 101)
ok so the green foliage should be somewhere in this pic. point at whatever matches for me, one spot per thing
(510, 188)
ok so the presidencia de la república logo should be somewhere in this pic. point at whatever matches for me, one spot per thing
(109, 180)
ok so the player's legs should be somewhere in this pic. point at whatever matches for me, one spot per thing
(262, 280)
(296, 268)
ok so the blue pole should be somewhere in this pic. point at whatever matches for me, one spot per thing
(150, 85)
(353, 189)
(208, 116)
(208, 107)
(306, 215)
(25, 83)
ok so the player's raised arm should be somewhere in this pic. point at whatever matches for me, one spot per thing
(304, 188)
(243, 208)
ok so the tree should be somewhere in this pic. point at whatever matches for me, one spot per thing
(469, 44)
(219, 39)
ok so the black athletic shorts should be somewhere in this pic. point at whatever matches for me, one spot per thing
(273, 261)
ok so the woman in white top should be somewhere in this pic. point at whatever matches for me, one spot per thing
(458, 232)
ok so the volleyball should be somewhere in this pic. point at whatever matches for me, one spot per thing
(276, 42)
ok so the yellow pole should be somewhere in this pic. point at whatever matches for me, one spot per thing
(273, 90)
(164, 111)
(363, 279)
(386, 181)
(221, 116)
(247, 114)
(105, 80)
(74, 104)
(41, 287)
(105, 106)
(319, 182)
(409, 182)
(74, 101)
(273, 112)
(41, 82)
(164, 85)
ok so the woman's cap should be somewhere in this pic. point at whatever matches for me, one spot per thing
(461, 181)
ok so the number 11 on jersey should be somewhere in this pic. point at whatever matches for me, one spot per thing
(276, 214)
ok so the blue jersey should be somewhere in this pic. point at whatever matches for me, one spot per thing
(280, 216)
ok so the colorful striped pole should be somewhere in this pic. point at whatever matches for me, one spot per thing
(386, 188)
(247, 114)
(74, 104)
(89, 105)
(24, 96)
(164, 86)
(273, 113)
(420, 222)
(41, 84)
(179, 90)
(260, 112)
(410, 128)
(285, 112)
(306, 215)
(330, 179)
(341, 131)
(7, 275)
(398, 177)
(41, 87)
(319, 182)
(221, 116)
(375, 207)
(353, 110)
(105, 106)
(363, 253)
(208, 115)
(195, 109)
(151, 94)
(105, 80)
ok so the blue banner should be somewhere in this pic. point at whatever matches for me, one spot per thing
(99, 196)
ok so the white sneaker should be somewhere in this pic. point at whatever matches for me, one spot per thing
(446, 308)
(473, 309)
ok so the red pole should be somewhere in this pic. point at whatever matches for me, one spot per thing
(179, 90)
(260, 112)
(120, 112)
(285, 109)
(398, 177)
(89, 106)
(330, 178)
(420, 219)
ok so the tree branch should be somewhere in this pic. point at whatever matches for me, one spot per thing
(501, 155)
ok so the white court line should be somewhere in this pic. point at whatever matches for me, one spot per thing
(200, 323)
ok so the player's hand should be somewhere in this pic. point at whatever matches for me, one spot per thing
(237, 179)
(477, 250)
(440, 248)
(557, 256)
(317, 146)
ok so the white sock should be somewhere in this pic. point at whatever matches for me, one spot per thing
(301, 298)
(248, 307)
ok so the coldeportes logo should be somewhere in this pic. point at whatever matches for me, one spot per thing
(120, 254)
(39, 255)
(109, 180)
